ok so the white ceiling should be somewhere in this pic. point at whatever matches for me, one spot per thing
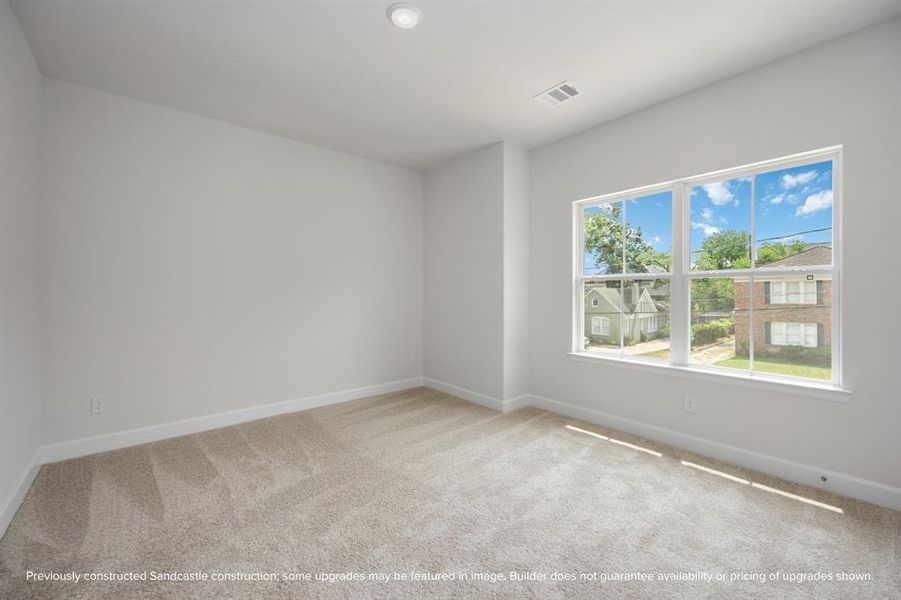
(337, 74)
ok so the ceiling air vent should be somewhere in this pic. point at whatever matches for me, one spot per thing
(557, 94)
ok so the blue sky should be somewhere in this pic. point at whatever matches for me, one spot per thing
(653, 214)
(790, 203)
(719, 206)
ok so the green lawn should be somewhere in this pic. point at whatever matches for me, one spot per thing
(779, 368)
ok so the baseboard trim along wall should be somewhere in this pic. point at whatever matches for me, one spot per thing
(476, 397)
(837, 483)
(133, 437)
(12, 503)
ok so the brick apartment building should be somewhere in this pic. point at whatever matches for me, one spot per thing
(788, 311)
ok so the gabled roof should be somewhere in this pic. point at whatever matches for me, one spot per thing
(813, 256)
(612, 296)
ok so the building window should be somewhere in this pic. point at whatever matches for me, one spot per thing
(600, 326)
(793, 334)
(791, 292)
(649, 324)
(736, 270)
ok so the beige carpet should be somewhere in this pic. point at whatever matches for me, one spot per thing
(420, 482)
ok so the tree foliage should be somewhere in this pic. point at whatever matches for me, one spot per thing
(606, 238)
(720, 251)
(712, 294)
(706, 333)
(725, 250)
(773, 251)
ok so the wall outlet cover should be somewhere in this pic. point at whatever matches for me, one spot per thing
(98, 405)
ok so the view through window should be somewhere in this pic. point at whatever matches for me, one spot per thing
(750, 289)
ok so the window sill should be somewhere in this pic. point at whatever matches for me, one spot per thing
(758, 381)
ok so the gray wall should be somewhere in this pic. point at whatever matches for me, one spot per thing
(516, 271)
(192, 267)
(20, 126)
(477, 272)
(464, 272)
(844, 92)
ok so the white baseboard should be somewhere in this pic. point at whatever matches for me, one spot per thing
(516, 403)
(133, 437)
(11, 504)
(463, 393)
(837, 483)
(505, 406)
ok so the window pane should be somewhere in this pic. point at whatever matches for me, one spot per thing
(794, 217)
(603, 251)
(793, 332)
(719, 322)
(649, 228)
(646, 314)
(721, 225)
(603, 319)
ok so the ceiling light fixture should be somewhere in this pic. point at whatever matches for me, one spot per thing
(404, 16)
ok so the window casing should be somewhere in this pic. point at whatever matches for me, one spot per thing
(760, 284)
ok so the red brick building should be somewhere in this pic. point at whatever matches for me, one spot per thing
(789, 311)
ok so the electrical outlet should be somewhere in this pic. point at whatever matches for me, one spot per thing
(691, 404)
(98, 405)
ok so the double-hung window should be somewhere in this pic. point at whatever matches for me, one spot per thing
(736, 271)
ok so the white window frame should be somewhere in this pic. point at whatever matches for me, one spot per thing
(681, 274)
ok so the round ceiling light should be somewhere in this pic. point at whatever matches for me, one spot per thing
(404, 16)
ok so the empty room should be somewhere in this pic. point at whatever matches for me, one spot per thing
(450, 299)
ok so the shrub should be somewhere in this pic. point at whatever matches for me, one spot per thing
(706, 333)
(805, 356)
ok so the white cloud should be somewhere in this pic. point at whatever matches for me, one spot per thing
(777, 199)
(719, 193)
(790, 181)
(656, 239)
(707, 228)
(815, 202)
(707, 213)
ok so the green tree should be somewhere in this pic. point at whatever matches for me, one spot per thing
(773, 251)
(725, 250)
(712, 294)
(606, 236)
(719, 252)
